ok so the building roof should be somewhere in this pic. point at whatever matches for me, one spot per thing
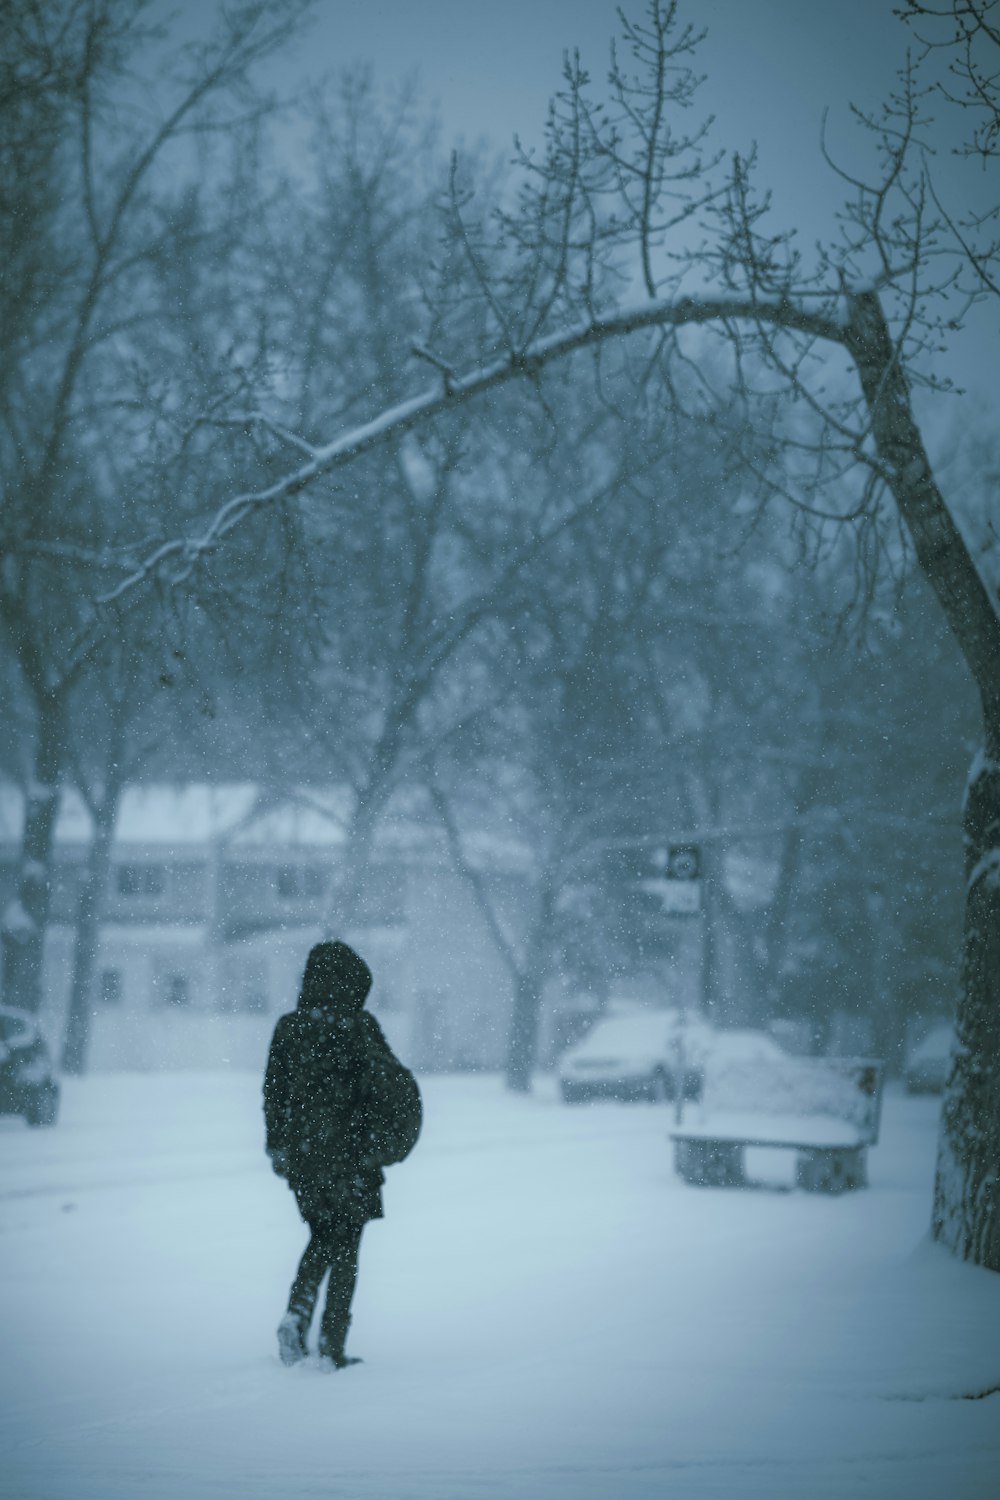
(243, 815)
(193, 814)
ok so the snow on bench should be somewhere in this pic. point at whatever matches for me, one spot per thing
(826, 1109)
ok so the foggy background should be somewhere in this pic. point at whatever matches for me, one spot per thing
(611, 694)
(399, 674)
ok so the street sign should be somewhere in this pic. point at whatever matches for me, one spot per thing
(670, 872)
(676, 882)
(684, 862)
(678, 898)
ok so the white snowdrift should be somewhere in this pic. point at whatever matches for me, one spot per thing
(546, 1313)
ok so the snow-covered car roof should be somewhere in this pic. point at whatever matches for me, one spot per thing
(638, 1031)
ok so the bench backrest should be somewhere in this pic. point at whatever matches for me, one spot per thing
(845, 1088)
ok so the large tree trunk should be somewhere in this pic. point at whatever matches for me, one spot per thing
(26, 918)
(88, 929)
(776, 937)
(522, 1042)
(967, 1191)
(347, 906)
(967, 1186)
(529, 985)
(528, 978)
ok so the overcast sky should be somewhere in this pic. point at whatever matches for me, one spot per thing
(772, 65)
(772, 68)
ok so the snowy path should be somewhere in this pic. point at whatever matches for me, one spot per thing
(546, 1313)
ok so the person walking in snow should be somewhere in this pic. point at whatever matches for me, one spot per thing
(338, 1107)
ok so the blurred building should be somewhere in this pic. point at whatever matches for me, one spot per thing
(214, 897)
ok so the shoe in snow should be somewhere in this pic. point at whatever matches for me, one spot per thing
(331, 1355)
(338, 1361)
(291, 1340)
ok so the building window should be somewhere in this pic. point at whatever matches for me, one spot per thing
(177, 990)
(245, 987)
(297, 881)
(245, 880)
(176, 981)
(141, 880)
(111, 987)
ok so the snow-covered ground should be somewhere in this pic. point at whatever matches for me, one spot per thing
(546, 1313)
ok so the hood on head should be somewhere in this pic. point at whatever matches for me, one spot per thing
(336, 979)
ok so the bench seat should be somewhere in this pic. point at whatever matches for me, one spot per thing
(756, 1128)
(831, 1154)
(826, 1110)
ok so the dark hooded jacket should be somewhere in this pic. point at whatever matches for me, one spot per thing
(315, 1109)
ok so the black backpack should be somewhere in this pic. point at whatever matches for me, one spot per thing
(395, 1110)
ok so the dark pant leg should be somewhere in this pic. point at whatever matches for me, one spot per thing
(342, 1243)
(305, 1287)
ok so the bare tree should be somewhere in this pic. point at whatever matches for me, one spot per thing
(91, 212)
(598, 247)
(567, 755)
(967, 34)
(116, 722)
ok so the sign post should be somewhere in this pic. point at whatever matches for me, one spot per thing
(677, 883)
(677, 879)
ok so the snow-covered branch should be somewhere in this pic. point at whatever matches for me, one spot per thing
(176, 559)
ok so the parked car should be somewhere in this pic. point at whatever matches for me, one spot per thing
(926, 1069)
(641, 1055)
(28, 1085)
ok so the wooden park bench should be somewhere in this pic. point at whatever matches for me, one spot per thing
(825, 1109)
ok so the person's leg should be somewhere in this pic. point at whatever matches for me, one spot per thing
(342, 1243)
(294, 1326)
